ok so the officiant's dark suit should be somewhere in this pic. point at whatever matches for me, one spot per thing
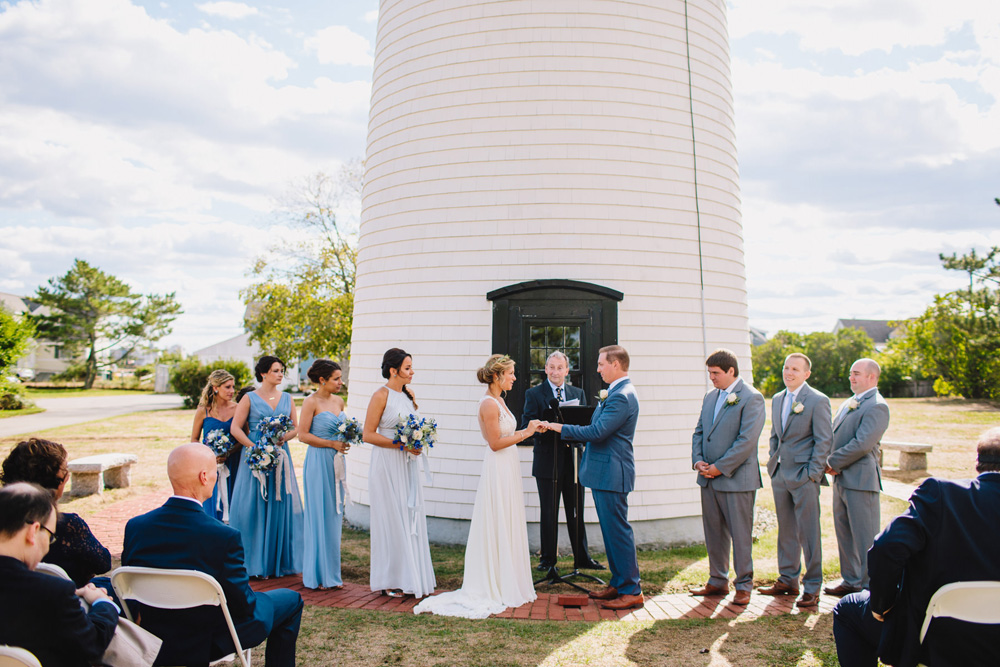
(180, 535)
(536, 402)
(948, 534)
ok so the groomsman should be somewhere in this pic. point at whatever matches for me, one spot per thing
(724, 453)
(857, 475)
(544, 470)
(800, 443)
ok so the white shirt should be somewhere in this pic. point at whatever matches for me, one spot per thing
(616, 382)
(553, 386)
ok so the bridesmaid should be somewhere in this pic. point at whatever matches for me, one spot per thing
(271, 527)
(215, 411)
(322, 414)
(401, 554)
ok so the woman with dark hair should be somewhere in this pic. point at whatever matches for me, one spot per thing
(401, 554)
(75, 549)
(215, 413)
(324, 476)
(268, 516)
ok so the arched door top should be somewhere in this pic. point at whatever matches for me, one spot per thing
(554, 284)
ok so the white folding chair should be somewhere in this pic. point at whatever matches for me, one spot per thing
(12, 656)
(972, 601)
(176, 589)
(54, 570)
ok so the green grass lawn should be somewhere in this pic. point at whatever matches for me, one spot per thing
(63, 392)
(5, 414)
(356, 637)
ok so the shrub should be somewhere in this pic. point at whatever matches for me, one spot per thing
(76, 372)
(12, 396)
(189, 376)
(944, 388)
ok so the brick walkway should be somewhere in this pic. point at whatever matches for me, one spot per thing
(108, 526)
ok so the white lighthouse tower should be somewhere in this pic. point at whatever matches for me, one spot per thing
(550, 174)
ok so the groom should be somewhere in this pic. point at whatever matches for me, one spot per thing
(608, 468)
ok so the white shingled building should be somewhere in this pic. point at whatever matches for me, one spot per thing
(547, 174)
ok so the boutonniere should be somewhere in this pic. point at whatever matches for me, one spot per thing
(732, 399)
(852, 404)
(797, 408)
(602, 396)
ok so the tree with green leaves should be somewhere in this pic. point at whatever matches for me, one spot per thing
(93, 311)
(15, 342)
(302, 300)
(831, 354)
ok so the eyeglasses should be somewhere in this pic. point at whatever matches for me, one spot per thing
(52, 534)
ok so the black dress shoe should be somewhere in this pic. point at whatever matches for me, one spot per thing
(590, 564)
(545, 567)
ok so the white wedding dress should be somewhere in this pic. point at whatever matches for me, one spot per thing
(497, 565)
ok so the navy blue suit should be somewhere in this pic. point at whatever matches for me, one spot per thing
(42, 614)
(536, 402)
(180, 535)
(948, 534)
(608, 469)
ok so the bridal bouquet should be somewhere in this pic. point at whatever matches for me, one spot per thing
(413, 433)
(219, 441)
(267, 455)
(350, 431)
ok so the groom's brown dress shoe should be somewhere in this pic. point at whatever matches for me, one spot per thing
(779, 588)
(709, 590)
(625, 602)
(808, 601)
(606, 593)
(742, 598)
(841, 590)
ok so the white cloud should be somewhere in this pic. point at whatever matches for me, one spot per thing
(229, 10)
(371, 17)
(339, 45)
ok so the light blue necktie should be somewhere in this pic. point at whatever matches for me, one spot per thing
(719, 403)
(786, 409)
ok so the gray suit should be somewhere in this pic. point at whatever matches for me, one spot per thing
(730, 443)
(856, 516)
(796, 461)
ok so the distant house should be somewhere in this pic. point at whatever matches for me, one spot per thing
(239, 347)
(45, 358)
(880, 331)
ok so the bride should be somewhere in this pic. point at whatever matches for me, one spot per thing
(497, 567)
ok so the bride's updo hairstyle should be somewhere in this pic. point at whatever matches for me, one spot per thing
(264, 366)
(394, 358)
(495, 366)
(322, 369)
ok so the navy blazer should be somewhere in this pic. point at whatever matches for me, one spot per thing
(42, 614)
(948, 534)
(608, 463)
(180, 535)
(536, 402)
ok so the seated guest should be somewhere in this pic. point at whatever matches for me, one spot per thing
(39, 612)
(76, 550)
(180, 535)
(948, 534)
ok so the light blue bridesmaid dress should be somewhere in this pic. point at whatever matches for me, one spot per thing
(232, 462)
(271, 528)
(324, 507)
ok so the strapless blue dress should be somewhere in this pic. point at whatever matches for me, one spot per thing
(233, 463)
(324, 507)
(271, 528)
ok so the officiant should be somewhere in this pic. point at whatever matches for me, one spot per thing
(537, 401)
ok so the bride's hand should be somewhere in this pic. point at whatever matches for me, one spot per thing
(536, 426)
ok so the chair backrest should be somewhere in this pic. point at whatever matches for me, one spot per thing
(172, 589)
(12, 656)
(54, 570)
(971, 601)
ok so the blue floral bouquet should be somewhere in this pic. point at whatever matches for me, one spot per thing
(265, 455)
(350, 431)
(413, 433)
(219, 441)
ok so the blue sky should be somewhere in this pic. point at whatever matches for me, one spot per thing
(154, 138)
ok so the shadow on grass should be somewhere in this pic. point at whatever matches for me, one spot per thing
(786, 640)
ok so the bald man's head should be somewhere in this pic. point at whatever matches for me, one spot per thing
(192, 471)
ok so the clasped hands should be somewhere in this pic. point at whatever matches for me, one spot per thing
(539, 426)
(707, 470)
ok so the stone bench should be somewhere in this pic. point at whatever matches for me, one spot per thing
(92, 474)
(912, 455)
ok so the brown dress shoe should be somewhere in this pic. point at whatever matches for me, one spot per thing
(709, 590)
(841, 590)
(808, 601)
(779, 588)
(742, 598)
(606, 593)
(625, 602)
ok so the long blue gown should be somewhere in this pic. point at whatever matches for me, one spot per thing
(232, 462)
(271, 528)
(324, 507)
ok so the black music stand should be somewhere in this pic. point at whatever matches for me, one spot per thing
(579, 415)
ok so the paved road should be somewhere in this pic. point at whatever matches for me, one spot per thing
(76, 410)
